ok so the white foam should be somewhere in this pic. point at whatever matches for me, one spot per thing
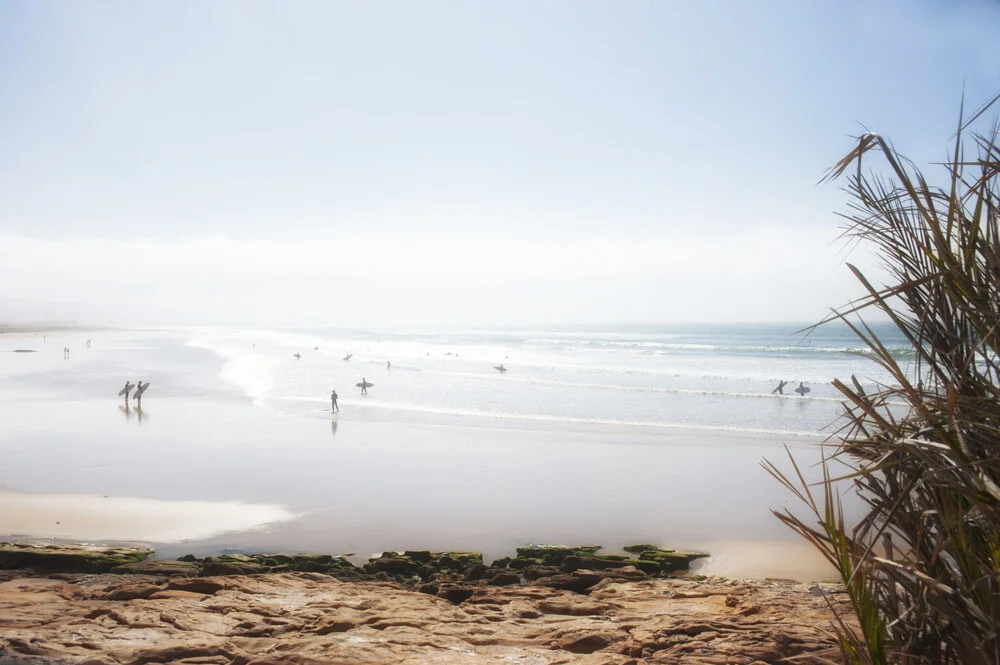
(252, 372)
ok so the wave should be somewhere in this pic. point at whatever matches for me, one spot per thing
(548, 418)
(640, 389)
(249, 371)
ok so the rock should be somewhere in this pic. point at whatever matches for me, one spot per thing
(159, 567)
(586, 642)
(196, 585)
(310, 618)
(537, 572)
(576, 582)
(475, 572)
(572, 606)
(670, 560)
(131, 591)
(420, 556)
(575, 562)
(44, 558)
(553, 555)
(637, 549)
(648, 567)
(521, 563)
(393, 565)
(456, 594)
(232, 567)
(320, 559)
(505, 579)
(427, 572)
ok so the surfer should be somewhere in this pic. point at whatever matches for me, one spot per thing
(500, 368)
(348, 357)
(139, 390)
(802, 390)
(298, 355)
(388, 365)
(781, 388)
(333, 402)
(88, 343)
(364, 386)
(127, 389)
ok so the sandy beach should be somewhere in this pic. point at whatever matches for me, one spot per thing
(199, 469)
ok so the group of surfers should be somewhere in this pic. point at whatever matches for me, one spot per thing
(140, 388)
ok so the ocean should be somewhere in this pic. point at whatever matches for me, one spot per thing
(657, 378)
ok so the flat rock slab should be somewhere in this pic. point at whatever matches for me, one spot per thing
(306, 618)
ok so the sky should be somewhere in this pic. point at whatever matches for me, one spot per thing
(445, 163)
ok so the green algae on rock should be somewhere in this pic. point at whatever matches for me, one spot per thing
(50, 558)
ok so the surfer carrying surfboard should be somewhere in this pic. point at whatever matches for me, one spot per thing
(364, 386)
(140, 388)
(802, 390)
(333, 402)
(781, 388)
(125, 391)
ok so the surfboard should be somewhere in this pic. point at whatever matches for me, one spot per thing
(122, 391)
(297, 355)
(802, 390)
(348, 356)
(500, 368)
(364, 384)
(140, 388)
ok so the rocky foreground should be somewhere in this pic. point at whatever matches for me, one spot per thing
(66, 609)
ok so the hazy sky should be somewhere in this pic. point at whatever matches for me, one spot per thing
(456, 163)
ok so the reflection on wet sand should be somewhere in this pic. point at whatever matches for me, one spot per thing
(92, 516)
(333, 426)
(128, 411)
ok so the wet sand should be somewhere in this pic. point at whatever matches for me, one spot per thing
(92, 517)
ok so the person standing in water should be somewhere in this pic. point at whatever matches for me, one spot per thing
(333, 402)
(128, 389)
(781, 388)
(388, 364)
(364, 386)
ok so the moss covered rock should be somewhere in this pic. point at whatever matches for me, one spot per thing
(42, 557)
(670, 560)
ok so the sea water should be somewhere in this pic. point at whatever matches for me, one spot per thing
(654, 378)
